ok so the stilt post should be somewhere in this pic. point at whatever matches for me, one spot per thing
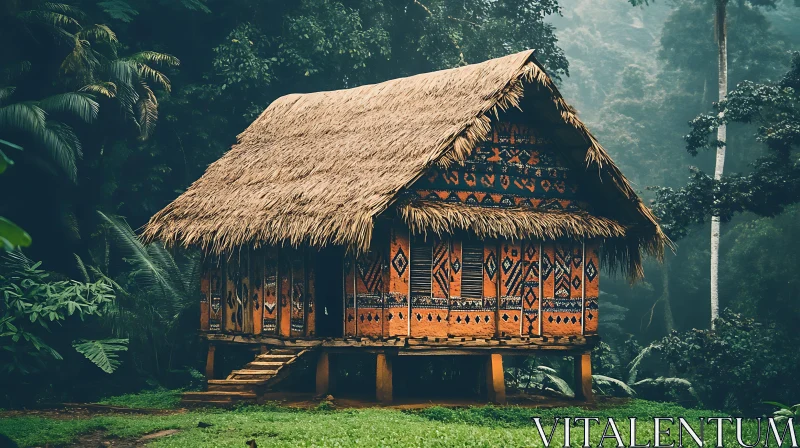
(495, 379)
(383, 379)
(583, 377)
(210, 361)
(323, 374)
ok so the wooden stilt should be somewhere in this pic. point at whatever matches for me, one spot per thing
(495, 379)
(210, 362)
(323, 374)
(263, 349)
(583, 377)
(383, 379)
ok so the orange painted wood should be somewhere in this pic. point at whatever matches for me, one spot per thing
(495, 379)
(210, 362)
(370, 289)
(397, 296)
(530, 287)
(269, 313)
(298, 293)
(583, 377)
(257, 288)
(592, 281)
(511, 280)
(383, 379)
(284, 292)
(232, 314)
(245, 292)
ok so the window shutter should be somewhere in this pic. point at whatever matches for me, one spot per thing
(421, 260)
(472, 270)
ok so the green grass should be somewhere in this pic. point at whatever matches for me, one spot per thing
(151, 399)
(275, 426)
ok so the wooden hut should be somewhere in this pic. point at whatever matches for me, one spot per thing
(460, 212)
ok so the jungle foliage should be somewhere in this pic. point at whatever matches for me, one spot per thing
(117, 106)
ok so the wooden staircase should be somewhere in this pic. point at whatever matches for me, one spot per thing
(248, 383)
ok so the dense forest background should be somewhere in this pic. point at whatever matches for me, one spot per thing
(110, 109)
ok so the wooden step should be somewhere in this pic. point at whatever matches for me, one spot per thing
(263, 365)
(243, 381)
(237, 386)
(274, 358)
(282, 351)
(252, 374)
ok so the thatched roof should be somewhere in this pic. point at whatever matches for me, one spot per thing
(319, 168)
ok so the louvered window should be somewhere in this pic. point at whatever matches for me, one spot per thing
(472, 270)
(421, 260)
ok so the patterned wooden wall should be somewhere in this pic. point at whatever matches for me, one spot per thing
(259, 291)
(516, 167)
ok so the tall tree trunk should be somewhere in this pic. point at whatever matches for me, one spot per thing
(669, 319)
(722, 45)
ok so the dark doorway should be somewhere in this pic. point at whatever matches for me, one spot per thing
(329, 289)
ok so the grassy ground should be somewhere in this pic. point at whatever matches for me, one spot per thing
(275, 426)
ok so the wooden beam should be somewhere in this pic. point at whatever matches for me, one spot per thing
(495, 379)
(210, 361)
(323, 374)
(583, 377)
(383, 379)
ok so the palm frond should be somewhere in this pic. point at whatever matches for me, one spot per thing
(81, 61)
(63, 147)
(65, 9)
(602, 380)
(153, 57)
(51, 19)
(148, 113)
(107, 89)
(98, 32)
(82, 268)
(78, 104)
(146, 72)
(561, 385)
(633, 366)
(151, 274)
(25, 117)
(103, 353)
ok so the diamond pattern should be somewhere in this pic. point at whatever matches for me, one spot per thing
(591, 271)
(490, 265)
(400, 261)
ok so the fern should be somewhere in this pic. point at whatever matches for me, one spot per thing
(633, 367)
(103, 353)
(602, 380)
(98, 32)
(672, 383)
(119, 10)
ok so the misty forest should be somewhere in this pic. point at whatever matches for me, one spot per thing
(109, 110)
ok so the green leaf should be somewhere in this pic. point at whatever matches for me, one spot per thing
(103, 353)
(13, 234)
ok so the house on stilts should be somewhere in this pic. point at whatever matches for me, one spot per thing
(461, 212)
